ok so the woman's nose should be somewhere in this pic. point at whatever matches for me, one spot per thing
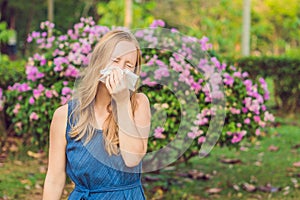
(122, 65)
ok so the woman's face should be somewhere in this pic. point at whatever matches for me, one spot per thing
(124, 56)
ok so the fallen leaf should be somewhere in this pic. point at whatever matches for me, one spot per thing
(236, 187)
(296, 146)
(151, 178)
(268, 188)
(36, 155)
(18, 162)
(257, 163)
(213, 190)
(249, 187)
(25, 181)
(13, 148)
(194, 174)
(230, 160)
(43, 169)
(38, 186)
(273, 148)
(296, 164)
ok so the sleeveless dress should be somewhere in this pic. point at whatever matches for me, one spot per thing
(96, 174)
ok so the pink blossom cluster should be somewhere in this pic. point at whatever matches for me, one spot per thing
(2, 100)
(214, 74)
(158, 132)
(50, 76)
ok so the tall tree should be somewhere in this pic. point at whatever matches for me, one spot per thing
(128, 13)
(246, 28)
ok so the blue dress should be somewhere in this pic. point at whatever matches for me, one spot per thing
(96, 174)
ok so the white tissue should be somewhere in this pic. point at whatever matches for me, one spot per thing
(130, 76)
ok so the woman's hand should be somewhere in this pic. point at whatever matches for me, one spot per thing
(116, 85)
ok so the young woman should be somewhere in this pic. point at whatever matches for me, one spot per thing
(99, 138)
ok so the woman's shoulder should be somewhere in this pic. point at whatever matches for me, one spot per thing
(142, 101)
(142, 98)
(61, 111)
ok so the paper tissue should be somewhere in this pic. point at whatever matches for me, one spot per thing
(130, 76)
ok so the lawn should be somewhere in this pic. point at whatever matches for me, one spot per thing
(267, 168)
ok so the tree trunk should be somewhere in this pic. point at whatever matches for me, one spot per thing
(128, 13)
(246, 28)
(27, 31)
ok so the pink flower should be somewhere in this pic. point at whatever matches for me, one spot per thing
(16, 108)
(33, 73)
(247, 121)
(201, 139)
(64, 100)
(237, 74)
(256, 118)
(191, 135)
(228, 80)
(148, 82)
(66, 90)
(262, 124)
(36, 93)
(43, 62)
(48, 94)
(237, 138)
(157, 23)
(161, 72)
(204, 44)
(269, 117)
(244, 110)
(33, 116)
(158, 132)
(71, 71)
(235, 111)
(31, 100)
(257, 132)
(245, 74)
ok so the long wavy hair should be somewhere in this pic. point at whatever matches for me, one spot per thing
(87, 88)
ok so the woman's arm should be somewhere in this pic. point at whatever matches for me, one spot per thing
(56, 174)
(133, 131)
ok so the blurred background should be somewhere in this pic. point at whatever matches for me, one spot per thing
(274, 24)
(259, 36)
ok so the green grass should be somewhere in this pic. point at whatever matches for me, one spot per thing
(20, 176)
(276, 169)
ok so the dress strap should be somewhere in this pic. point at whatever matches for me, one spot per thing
(71, 106)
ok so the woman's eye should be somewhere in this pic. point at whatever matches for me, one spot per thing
(115, 60)
(130, 66)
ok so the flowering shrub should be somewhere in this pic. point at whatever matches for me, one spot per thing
(1, 99)
(52, 72)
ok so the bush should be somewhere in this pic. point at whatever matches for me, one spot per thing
(52, 72)
(285, 72)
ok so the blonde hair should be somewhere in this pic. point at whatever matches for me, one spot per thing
(87, 88)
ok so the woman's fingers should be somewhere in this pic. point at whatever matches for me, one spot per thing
(114, 81)
(107, 84)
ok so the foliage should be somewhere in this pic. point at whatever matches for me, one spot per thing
(10, 73)
(4, 33)
(284, 71)
(51, 72)
(29, 15)
(112, 13)
(274, 24)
